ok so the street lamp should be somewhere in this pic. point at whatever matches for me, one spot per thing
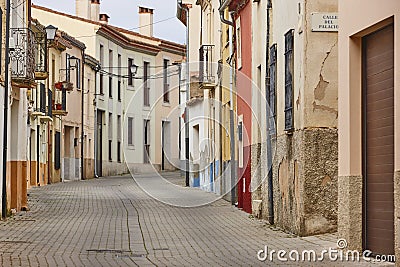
(133, 68)
(51, 32)
(73, 62)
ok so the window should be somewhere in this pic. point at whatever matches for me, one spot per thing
(110, 150)
(119, 138)
(130, 74)
(67, 67)
(110, 135)
(110, 65)
(130, 131)
(78, 73)
(146, 141)
(166, 81)
(272, 88)
(110, 89)
(146, 83)
(101, 84)
(119, 78)
(110, 126)
(101, 75)
(289, 80)
(239, 43)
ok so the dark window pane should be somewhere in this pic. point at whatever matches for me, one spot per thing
(289, 80)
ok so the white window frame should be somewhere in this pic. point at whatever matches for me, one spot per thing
(132, 145)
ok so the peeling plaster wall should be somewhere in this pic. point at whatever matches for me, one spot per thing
(305, 162)
(305, 182)
(320, 71)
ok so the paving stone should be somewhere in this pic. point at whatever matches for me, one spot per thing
(111, 222)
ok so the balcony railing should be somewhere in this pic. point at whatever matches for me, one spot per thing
(60, 107)
(41, 55)
(206, 70)
(22, 57)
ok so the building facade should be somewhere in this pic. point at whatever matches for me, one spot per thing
(125, 136)
(369, 206)
(302, 96)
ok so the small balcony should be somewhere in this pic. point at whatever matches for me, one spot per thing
(41, 72)
(59, 108)
(207, 77)
(22, 57)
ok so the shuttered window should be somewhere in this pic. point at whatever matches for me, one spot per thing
(272, 88)
(289, 80)
(50, 103)
(42, 98)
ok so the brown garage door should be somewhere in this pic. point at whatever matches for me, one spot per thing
(378, 75)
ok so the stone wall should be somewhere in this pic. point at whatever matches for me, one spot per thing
(304, 181)
(350, 210)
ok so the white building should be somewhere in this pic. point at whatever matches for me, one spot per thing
(124, 100)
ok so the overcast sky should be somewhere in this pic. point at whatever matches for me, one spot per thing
(124, 13)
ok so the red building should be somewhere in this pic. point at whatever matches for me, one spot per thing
(242, 19)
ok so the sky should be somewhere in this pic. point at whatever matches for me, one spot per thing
(124, 13)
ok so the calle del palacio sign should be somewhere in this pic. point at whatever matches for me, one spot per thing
(324, 22)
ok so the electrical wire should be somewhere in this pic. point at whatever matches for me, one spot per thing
(18, 4)
(159, 21)
(139, 67)
(152, 77)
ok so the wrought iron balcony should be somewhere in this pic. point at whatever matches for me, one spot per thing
(22, 57)
(41, 72)
(60, 107)
(206, 67)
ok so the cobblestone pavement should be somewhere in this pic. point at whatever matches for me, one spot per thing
(111, 222)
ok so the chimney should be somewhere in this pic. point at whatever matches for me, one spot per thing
(95, 10)
(104, 18)
(82, 8)
(146, 21)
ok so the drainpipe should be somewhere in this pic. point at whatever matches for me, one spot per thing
(95, 122)
(269, 134)
(231, 112)
(82, 114)
(5, 124)
(187, 177)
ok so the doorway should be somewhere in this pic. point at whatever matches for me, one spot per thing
(146, 141)
(99, 145)
(378, 141)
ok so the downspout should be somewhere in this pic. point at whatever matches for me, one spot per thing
(269, 134)
(187, 149)
(231, 112)
(5, 124)
(95, 123)
(82, 114)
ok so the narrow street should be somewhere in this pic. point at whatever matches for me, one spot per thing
(112, 222)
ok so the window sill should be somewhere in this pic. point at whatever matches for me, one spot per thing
(131, 148)
(289, 131)
(166, 104)
(130, 88)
